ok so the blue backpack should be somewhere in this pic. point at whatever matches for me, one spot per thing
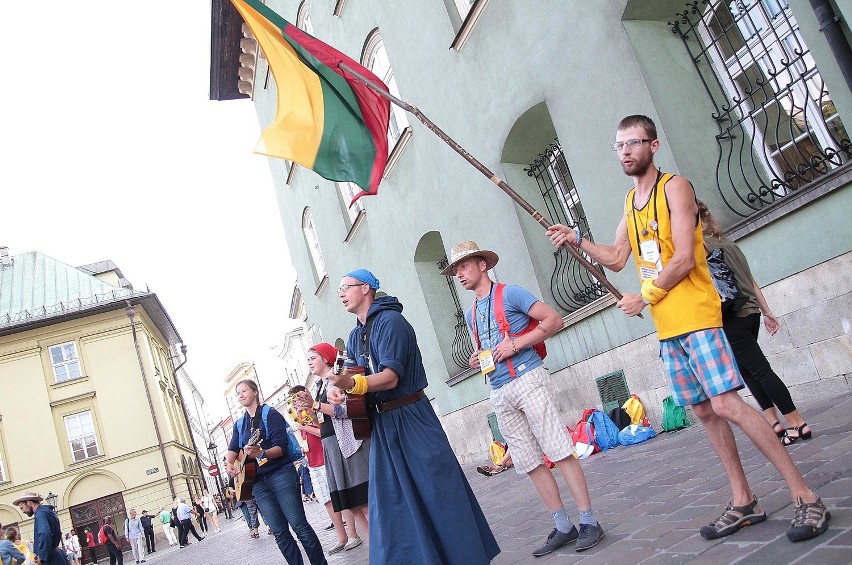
(606, 432)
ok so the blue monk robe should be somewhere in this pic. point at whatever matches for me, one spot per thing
(422, 509)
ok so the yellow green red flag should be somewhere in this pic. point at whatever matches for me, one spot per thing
(326, 119)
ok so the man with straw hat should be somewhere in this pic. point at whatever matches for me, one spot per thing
(48, 534)
(508, 323)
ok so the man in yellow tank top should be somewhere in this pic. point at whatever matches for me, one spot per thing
(660, 227)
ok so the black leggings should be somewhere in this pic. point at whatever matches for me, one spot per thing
(768, 389)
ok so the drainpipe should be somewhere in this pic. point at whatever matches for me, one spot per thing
(829, 25)
(131, 313)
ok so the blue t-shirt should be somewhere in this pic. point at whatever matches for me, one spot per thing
(274, 434)
(517, 302)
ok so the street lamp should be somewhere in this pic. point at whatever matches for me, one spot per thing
(51, 499)
(211, 447)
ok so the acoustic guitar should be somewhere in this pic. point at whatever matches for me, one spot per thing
(247, 467)
(356, 404)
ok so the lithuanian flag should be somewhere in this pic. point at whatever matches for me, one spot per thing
(326, 120)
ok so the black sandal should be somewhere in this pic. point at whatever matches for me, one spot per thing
(800, 434)
(778, 433)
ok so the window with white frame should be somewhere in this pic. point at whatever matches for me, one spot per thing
(463, 6)
(81, 436)
(3, 478)
(313, 244)
(779, 128)
(348, 190)
(376, 59)
(64, 360)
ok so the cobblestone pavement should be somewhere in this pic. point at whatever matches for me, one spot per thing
(650, 498)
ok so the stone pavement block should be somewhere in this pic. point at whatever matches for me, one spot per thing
(825, 555)
(666, 558)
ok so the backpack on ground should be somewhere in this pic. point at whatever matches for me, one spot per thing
(634, 434)
(634, 408)
(620, 417)
(497, 452)
(102, 539)
(606, 433)
(583, 436)
(674, 416)
(503, 324)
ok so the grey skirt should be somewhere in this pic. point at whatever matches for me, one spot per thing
(348, 477)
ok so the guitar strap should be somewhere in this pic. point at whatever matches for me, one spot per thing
(365, 347)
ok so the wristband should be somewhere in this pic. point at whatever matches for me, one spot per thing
(652, 293)
(514, 347)
(360, 386)
(579, 236)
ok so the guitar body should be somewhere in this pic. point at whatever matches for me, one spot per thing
(356, 410)
(247, 476)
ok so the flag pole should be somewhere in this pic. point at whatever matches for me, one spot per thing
(537, 216)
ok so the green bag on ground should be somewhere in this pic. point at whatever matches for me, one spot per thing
(674, 416)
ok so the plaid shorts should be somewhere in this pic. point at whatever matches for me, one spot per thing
(529, 420)
(700, 365)
(319, 480)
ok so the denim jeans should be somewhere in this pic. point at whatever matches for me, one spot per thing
(279, 500)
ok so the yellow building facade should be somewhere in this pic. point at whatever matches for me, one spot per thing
(91, 410)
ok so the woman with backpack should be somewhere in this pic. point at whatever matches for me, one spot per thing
(742, 327)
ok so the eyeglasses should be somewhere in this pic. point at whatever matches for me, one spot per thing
(345, 287)
(630, 143)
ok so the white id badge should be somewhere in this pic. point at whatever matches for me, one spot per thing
(486, 362)
(650, 264)
(650, 251)
(320, 417)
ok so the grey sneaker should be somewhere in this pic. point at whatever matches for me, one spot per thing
(555, 540)
(734, 518)
(590, 536)
(810, 520)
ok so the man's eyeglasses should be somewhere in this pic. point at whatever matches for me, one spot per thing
(345, 287)
(630, 143)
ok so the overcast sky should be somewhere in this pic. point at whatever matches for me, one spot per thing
(112, 150)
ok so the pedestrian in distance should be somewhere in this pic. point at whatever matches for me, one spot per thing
(47, 536)
(91, 545)
(167, 522)
(135, 534)
(412, 466)
(523, 403)
(112, 545)
(148, 529)
(661, 228)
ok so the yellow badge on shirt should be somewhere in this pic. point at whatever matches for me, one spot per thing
(486, 361)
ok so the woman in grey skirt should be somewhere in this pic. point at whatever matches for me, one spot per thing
(346, 458)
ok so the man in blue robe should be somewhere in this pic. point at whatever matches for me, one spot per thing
(48, 535)
(421, 507)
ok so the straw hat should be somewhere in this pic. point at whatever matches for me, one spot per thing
(34, 496)
(467, 249)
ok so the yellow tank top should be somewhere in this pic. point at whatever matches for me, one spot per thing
(693, 304)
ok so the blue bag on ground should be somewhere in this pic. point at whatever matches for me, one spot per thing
(606, 432)
(635, 434)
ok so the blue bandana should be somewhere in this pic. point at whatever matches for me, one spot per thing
(365, 277)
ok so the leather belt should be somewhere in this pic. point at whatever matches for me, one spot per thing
(398, 403)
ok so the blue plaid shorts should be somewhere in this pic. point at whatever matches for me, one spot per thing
(700, 365)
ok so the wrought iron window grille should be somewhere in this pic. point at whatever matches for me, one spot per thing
(570, 284)
(462, 347)
(778, 128)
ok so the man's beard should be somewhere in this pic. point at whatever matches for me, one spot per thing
(638, 167)
(29, 512)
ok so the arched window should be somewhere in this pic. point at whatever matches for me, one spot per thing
(312, 241)
(376, 59)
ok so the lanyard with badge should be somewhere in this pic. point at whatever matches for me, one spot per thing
(486, 359)
(650, 262)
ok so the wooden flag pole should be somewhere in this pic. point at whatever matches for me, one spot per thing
(537, 216)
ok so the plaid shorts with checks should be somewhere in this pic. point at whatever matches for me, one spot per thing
(700, 365)
(528, 419)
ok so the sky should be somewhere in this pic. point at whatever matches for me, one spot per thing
(113, 150)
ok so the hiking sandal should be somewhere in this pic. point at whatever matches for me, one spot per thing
(734, 518)
(810, 520)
